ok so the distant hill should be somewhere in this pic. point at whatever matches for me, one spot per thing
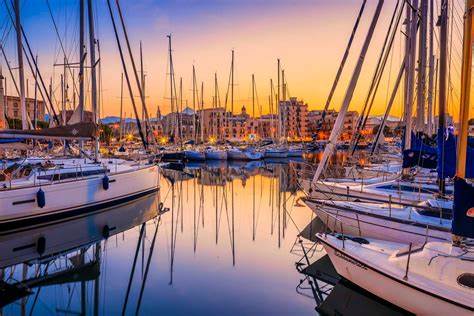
(116, 119)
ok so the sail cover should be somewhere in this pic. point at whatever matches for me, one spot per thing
(463, 209)
(79, 131)
(447, 153)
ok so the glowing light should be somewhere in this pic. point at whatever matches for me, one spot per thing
(163, 140)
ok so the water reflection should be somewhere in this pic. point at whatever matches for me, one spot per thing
(223, 247)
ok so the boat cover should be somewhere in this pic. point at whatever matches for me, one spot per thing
(463, 209)
(83, 130)
(447, 165)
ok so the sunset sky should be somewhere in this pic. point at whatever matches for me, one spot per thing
(309, 36)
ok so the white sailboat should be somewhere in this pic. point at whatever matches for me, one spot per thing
(434, 278)
(54, 189)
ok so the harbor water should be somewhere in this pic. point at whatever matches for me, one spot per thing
(227, 245)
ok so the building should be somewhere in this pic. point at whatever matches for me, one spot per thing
(294, 119)
(322, 129)
(213, 123)
(267, 126)
(186, 121)
(236, 125)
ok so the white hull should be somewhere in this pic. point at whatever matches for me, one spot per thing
(343, 192)
(269, 153)
(235, 154)
(420, 296)
(20, 205)
(378, 227)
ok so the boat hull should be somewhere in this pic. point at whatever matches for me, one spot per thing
(243, 155)
(377, 227)
(394, 290)
(275, 154)
(19, 208)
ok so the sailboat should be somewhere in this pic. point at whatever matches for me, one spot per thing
(56, 188)
(433, 277)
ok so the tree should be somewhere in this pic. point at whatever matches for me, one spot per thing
(106, 134)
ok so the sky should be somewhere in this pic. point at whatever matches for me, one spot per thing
(308, 36)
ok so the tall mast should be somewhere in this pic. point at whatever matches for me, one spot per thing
(121, 108)
(21, 71)
(232, 85)
(253, 96)
(93, 72)
(214, 122)
(421, 84)
(171, 87)
(443, 61)
(272, 131)
(81, 59)
(142, 80)
(431, 70)
(201, 125)
(253, 103)
(410, 72)
(278, 109)
(348, 96)
(465, 91)
(283, 84)
(194, 104)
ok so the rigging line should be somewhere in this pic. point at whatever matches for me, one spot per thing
(137, 116)
(35, 73)
(61, 43)
(377, 76)
(341, 65)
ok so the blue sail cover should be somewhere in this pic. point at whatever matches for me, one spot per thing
(447, 161)
(420, 154)
(463, 209)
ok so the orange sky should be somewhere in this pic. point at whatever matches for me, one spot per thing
(309, 36)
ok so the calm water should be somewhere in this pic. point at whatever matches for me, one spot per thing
(224, 247)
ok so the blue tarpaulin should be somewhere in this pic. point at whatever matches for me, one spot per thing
(463, 209)
(447, 159)
(420, 153)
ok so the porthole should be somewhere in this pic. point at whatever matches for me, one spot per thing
(466, 280)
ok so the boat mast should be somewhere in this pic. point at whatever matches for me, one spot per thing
(21, 71)
(410, 72)
(170, 56)
(431, 70)
(194, 105)
(214, 122)
(253, 102)
(465, 90)
(121, 108)
(272, 131)
(278, 110)
(443, 61)
(421, 83)
(232, 85)
(93, 73)
(201, 120)
(81, 60)
(348, 96)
